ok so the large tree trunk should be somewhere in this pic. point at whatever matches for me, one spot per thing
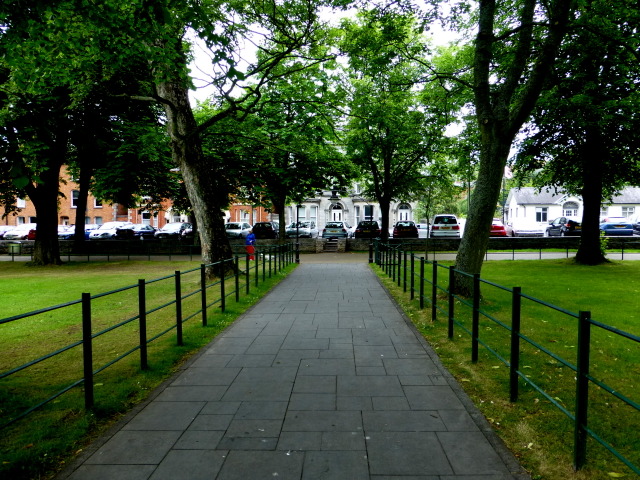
(589, 251)
(44, 196)
(385, 205)
(81, 207)
(201, 186)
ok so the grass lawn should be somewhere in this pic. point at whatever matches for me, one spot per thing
(539, 434)
(42, 442)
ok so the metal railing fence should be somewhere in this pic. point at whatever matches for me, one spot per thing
(508, 339)
(190, 293)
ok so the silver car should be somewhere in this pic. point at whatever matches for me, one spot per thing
(237, 229)
(336, 230)
(302, 229)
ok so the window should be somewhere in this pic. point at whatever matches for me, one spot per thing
(541, 214)
(98, 220)
(20, 221)
(75, 195)
(146, 218)
(628, 211)
(97, 203)
(368, 212)
(313, 214)
(64, 220)
(87, 220)
(21, 203)
(604, 211)
(356, 211)
(302, 213)
(570, 209)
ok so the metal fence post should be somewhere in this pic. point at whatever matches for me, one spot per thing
(246, 272)
(421, 283)
(222, 291)
(236, 265)
(178, 308)
(434, 292)
(514, 362)
(142, 316)
(412, 273)
(87, 351)
(452, 279)
(370, 252)
(203, 293)
(582, 390)
(404, 274)
(475, 318)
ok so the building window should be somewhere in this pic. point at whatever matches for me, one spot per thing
(302, 213)
(356, 211)
(64, 220)
(97, 203)
(628, 211)
(33, 220)
(541, 214)
(21, 203)
(87, 220)
(75, 194)
(20, 221)
(146, 218)
(570, 209)
(98, 220)
(604, 211)
(313, 214)
(368, 212)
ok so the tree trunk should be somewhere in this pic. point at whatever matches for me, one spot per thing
(589, 251)
(81, 208)
(44, 196)
(201, 187)
(385, 204)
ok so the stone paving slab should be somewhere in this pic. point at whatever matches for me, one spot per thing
(324, 378)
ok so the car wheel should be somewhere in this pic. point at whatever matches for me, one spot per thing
(562, 233)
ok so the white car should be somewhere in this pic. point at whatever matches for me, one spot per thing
(445, 225)
(106, 230)
(21, 232)
(526, 229)
(237, 229)
(301, 229)
(423, 230)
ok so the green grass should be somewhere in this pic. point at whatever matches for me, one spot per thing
(45, 440)
(539, 434)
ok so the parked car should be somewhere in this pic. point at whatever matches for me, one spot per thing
(237, 229)
(405, 229)
(301, 229)
(266, 229)
(70, 233)
(4, 229)
(135, 230)
(635, 222)
(106, 230)
(336, 230)
(367, 229)
(497, 228)
(423, 230)
(618, 226)
(172, 230)
(525, 229)
(563, 227)
(26, 231)
(445, 225)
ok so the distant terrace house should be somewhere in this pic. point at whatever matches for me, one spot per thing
(530, 206)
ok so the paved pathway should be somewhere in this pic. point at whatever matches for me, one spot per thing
(324, 378)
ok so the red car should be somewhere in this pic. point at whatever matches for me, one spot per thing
(405, 229)
(497, 229)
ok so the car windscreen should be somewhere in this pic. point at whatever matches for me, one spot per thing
(445, 220)
(334, 225)
(233, 226)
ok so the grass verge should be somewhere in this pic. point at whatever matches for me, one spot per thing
(43, 442)
(540, 435)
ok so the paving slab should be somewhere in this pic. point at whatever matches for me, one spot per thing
(324, 378)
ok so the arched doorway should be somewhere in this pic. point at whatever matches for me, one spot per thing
(335, 212)
(404, 212)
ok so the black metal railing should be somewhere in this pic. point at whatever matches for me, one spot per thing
(437, 290)
(203, 295)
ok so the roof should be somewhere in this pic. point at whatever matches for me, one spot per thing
(548, 195)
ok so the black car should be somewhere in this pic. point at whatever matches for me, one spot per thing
(266, 229)
(172, 230)
(405, 229)
(367, 229)
(137, 230)
(563, 227)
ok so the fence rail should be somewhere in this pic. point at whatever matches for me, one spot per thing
(270, 260)
(400, 266)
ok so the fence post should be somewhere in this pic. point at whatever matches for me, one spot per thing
(178, 308)
(370, 251)
(246, 272)
(582, 389)
(421, 283)
(412, 273)
(476, 318)
(203, 293)
(87, 351)
(434, 291)
(222, 292)
(452, 279)
(514, 362)
(236, 265)
(404, 275)
(142, 316)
